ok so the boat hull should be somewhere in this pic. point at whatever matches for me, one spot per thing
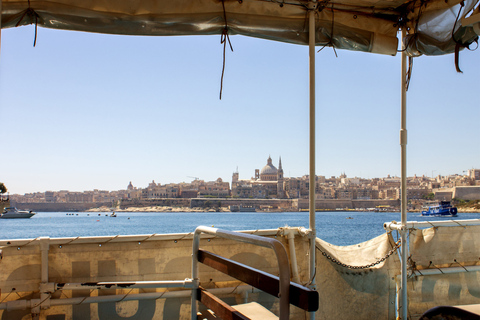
(20, 215)
(444, 209)
(13, 213)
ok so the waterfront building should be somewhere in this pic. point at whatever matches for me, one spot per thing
(414, 193)
(267, 183)
(216, 188)
(474, 174)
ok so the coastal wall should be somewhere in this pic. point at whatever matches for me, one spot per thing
(265, 204)
(257, 203)
(171, 202)
(445, 194)
(334, 204)
(467, 193)
(60, 206)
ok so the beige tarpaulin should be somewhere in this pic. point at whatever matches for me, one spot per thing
(347, 293)
(440, 248)
(344, 293)
(359, 25)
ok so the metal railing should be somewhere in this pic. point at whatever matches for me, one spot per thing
(275, 245)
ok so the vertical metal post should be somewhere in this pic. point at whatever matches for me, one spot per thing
(45, 292)
(403, 308)
(312, 176)
(195, 279)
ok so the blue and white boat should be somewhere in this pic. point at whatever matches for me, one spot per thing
(442, 209)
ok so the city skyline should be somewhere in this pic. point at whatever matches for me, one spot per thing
(229, 181)
(82, 110)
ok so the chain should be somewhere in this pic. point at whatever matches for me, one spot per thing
(397, 245)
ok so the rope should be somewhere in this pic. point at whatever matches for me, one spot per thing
(186, 235)
(113, 238)
(26, 244)
(431, 264)
(30, 12)
(461, 225)
(125, 295)
(152, 235)
(13, 290)
(85, 298)
(40, 303)
(330, 41)
(458, 44)
(223, 40)
(461, 265)
(74, 239)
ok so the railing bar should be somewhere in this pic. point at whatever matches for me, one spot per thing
(389, 226)
(123, 238)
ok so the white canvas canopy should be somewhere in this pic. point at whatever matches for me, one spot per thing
(433, 26)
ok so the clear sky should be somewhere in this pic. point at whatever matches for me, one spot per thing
(86, 111)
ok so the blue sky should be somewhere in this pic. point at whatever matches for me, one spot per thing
(86, 111)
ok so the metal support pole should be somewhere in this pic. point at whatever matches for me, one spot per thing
(312, 175)
(44, 302)
(311, 54)
(403, 144)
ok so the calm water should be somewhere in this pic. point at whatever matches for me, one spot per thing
(334, 227)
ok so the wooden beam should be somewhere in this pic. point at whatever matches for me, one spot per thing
(221, 309)
(300, 296)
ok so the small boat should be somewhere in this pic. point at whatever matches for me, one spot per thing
(442, 209)
(113, 215)
(14, 213)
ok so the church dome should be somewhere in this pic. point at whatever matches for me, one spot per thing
(269, 169)
(269, 172)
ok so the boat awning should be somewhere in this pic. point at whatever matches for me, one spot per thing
(434, 26)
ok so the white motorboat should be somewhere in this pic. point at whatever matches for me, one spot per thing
(14, 213)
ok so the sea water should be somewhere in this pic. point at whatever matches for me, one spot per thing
(337, 227)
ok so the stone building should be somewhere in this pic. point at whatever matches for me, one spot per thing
(267, 183)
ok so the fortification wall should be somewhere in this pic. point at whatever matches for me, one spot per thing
(274, 204)
(334, 204)
(257, 203)
(173, 202)
(60, 207)
(467, 193)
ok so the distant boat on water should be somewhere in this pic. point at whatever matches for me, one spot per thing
(14, 213)
(442, 209)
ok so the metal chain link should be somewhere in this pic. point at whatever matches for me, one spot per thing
(392, 251)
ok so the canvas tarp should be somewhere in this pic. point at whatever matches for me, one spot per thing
(347, 293)
(360, 25)
(344, 293)
(438, 248)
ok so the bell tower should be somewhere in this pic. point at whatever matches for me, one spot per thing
(280, 191)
